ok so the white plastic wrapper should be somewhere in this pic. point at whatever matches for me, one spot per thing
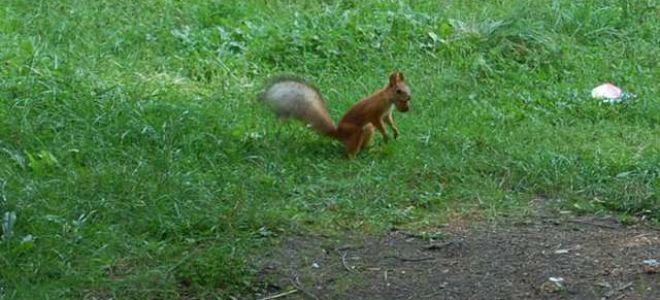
(606, 91)
(610, 93)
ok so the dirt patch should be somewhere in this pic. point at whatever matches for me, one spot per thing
(548, 259)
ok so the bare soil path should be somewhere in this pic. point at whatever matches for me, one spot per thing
(574, 258)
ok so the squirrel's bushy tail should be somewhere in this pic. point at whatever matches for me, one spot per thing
(292, 97)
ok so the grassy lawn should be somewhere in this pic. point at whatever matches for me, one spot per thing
(135, 162)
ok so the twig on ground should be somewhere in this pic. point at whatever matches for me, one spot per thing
(625, 286)
(298, 285)
(343, 262)
(280, 295)
(415, 259)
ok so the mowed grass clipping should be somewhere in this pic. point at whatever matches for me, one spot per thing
(135, 162)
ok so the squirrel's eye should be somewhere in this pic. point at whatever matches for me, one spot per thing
(398, 91)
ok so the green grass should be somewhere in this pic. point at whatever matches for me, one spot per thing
(139, 165)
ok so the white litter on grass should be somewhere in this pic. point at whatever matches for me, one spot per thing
(559, 281)
(606, 90)
(652, 263)
(610, 93)
(556, 279)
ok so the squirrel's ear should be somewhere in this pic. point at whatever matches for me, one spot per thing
(395, 78)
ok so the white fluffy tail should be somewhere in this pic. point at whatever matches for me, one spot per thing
(291, 97)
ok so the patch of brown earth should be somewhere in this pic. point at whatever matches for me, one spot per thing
(548, 259)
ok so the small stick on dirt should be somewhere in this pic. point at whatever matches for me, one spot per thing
(280, 295)
(625, 286)
(297, 284)
(414, 259)
(343, 262)
(643, 235)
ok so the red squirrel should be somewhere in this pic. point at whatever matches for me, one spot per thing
(292, 97)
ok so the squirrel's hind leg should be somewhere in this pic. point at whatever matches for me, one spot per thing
(368, 133)
(354, 143)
